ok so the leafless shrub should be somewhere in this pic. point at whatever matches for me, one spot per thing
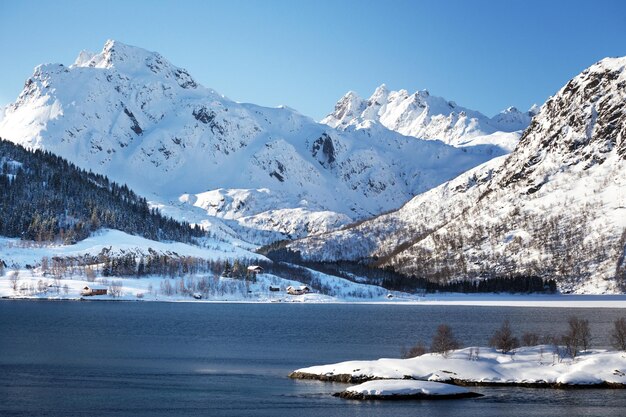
(558, 351)
(90, 274)
(166, 287)
(443, 340)
(578, 336)
(503, 338)
(45, 264)
(474, 354)
(530, 339)
(416, 350)
(618, 336)
(115, 289)
(14, 277)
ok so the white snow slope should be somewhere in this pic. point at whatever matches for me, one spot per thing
(555, 207)
(25, 259)
(428, 117)
(130, 114)
(404, 388)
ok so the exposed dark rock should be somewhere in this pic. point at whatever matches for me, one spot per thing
(208, 118)
(327, 155)
(359, 396)
(277, 176)
(135, 124)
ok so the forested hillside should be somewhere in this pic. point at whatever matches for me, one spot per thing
(43, 197)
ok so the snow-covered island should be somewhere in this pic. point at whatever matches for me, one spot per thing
(405, 390)
(538, 366)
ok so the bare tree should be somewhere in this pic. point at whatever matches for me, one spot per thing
(618, 336)
(14, 277)
(578, 336)
(166, 287)
(416, 350)
(45, 264)
(503, 338)
(115, 289)
(530, 339)
(443, 340)
(90, 274)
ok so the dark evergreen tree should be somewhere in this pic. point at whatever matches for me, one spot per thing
(44, 197)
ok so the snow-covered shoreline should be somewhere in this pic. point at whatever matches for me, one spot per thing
(538, 366)
(35, 282)
(262, 297)
(405, 390)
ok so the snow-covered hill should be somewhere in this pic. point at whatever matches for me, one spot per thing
(554, 207)
(56, 271)
(428, 117)
(130, 114)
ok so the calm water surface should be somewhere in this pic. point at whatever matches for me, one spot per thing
(121, 359)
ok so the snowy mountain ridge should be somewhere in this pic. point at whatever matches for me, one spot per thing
(425, 116)
(554, 207)
(130, 114)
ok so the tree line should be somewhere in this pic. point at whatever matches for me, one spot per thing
(43, 197)
(391, 279)
(576, 339)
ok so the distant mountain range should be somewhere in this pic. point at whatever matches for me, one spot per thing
(268, 173)
(428, 117)
(555, 207)
(411, 184)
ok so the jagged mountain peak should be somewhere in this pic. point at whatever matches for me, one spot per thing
(133, 61)
(425, 116)
(582, 125)
(380, 95)
(83, 58)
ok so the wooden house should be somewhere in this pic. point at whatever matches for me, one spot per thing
(303, 289)
(88, 292)
(255, 269)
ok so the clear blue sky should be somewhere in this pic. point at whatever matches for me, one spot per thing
(485, 55)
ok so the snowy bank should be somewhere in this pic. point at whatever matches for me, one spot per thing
(404, 389)
(538, 366)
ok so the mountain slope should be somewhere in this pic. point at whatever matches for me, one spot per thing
(45, 198)
(425, 116)
(555, 207)
(130, 114)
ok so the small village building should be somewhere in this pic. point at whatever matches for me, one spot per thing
(255, 269)
(88, 292)
(274, 289)
(303, 289)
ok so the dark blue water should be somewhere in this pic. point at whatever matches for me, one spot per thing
(186, 359)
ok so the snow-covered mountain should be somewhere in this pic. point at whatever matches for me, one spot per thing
(429, 117)
(130, 114)
(554, 207)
